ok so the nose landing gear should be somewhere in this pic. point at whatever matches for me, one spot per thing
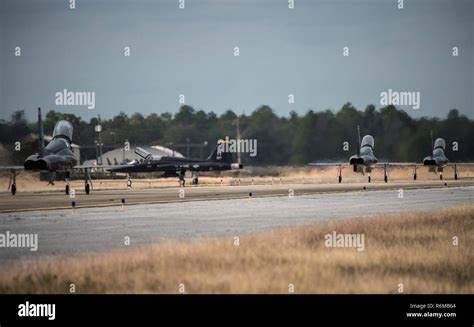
(195, 178)
(67, 188)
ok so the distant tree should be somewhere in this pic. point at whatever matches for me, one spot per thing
(296, 139)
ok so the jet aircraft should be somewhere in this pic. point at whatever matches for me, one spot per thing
(55, 157)
(218, 160)
(365, 161)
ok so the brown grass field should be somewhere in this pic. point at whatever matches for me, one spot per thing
(415, 249)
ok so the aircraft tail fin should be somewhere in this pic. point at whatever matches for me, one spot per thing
(432, 143)
(219, 153)
(40, 131)
(358, 139)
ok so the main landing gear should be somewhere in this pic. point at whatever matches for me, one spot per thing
(67, 188)
(195, 178)
(87, 181)
(129, 182)
(87, 188)
(182, 181)
(12, 183)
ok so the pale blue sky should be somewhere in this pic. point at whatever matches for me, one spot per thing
(190, 51)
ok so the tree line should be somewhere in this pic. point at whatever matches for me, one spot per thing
(294, 139)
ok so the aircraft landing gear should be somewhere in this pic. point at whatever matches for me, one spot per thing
(195, 178)
(369, 179)
(414, 173)
(340, 174)
(87, 188)
(67, 188)
(12, 183)
(385, 176)
(87, 181)
(440, 171)
(129, 182)
(182, 181)
(52, 178)
(455, 172)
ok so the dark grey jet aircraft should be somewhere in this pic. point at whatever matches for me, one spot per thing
(438, 160)
(177, 167)
(57, 156)
(363, 162)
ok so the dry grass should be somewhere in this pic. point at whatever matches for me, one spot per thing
(414, 249)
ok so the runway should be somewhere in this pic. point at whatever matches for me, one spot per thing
(104, 198)
(62, 232)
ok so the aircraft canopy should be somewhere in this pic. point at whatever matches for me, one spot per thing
(440, 143)
(63, 128)
(367, 140)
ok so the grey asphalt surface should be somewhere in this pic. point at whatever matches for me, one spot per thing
(61, 232)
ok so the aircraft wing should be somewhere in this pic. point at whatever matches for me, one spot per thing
(10, 168)
(461, 163)
(324, 164)
(97, 166)
(131, 166)
(420, 164)
(399, 164)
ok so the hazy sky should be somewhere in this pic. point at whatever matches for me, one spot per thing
(191, 51)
